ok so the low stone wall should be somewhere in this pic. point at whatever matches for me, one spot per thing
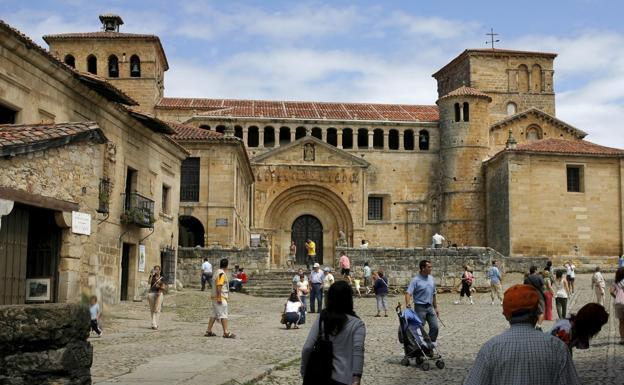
(190, 260)
(400, 265)
(45, 344)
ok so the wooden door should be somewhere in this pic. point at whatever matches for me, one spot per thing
(307, 227)
(13, 256)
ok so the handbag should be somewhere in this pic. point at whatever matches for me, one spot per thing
(320, 364)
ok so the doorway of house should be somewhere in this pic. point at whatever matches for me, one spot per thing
(307, 227)
(125, 271)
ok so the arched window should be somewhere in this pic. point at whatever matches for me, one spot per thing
(317, 133)
(347, 138)
(205, 127)
(511, 108)
(253, 138)
(332, 136)
(269, 136)
(523, 78)
(408, 140)
(536, 78)
(70, 61)
(92, 64)
(300, 132)
(113, 66)
(135, 66)
(466, 112)
(284, 135)
(220, 129)
(533, 133)
(393, 139)
(457, 112)
(378, 138)
(362, 138)
(423, 140)
(238, 132)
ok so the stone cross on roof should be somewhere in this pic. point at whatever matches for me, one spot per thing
(491, 35)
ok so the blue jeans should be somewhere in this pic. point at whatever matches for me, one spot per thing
(427, 314)
(316, 296)
(206, 278)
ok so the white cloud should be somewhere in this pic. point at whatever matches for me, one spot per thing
(429, 27)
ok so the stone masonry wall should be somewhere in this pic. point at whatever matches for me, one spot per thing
(45, 344)
(190, 260)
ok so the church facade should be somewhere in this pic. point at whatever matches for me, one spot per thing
(489, 164)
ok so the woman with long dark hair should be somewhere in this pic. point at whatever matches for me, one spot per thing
(346, 332)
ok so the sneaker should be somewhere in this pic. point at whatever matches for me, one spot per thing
(457, 302)
(471, 301)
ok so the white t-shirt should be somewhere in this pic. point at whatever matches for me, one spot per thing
(560, 291)
(302, 287)
(437, 239)
(207, 267)
(94, 310)
(293, 307)
(572, 273)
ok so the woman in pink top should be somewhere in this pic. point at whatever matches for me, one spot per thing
(345, 266)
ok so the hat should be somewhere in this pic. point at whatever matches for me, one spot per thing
(326, 268)
(519, 300)
(316, 265)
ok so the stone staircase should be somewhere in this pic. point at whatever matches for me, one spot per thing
(274, 283)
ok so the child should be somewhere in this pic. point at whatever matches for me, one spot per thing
(356, 284)
(95, 311)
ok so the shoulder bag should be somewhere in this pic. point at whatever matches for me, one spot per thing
(320, 364)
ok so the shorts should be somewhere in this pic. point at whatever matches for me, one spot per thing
(569, 278)
(220, 311)
(291, 257)
(618, 309)
(345, 271)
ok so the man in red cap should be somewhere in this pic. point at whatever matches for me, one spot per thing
(521, 354)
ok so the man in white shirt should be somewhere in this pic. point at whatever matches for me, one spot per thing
(206, 274)
(598, 284)
(437, 240)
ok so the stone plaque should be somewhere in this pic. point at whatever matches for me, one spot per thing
(222, 222)
(81, 223)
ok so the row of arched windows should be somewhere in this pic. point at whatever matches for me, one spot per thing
(113, 65)
(351, 139)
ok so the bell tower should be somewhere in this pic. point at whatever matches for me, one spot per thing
(135, 63)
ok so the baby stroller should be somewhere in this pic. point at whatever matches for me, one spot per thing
(416, 342)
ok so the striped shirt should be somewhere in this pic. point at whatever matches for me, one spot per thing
(520, 356)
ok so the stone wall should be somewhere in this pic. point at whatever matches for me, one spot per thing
(190, 260)
(45, 344)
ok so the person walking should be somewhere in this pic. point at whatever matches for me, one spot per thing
(466, 283)
(561, 294)
(345, 266)
(155, 296)
(310, 252)
(206, 275)
(598, 285)
(522, 354)
(339, 324)
(95, 313)
(380, 288)
(437, 240)
(422, 291)
(535, 279)
(316, 297)
(292, 256)
(220, 291)
(570, 275)
(617, 292)
(548, 294)
(292, 311)
(496, 282)
(368, 275)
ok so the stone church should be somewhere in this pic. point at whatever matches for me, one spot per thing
(489, 164)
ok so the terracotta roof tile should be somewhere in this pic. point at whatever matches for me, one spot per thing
(23, 138)
(302, 110)
(186, 132)
(564, 146)
(466, 91)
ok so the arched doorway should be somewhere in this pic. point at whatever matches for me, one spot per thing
(307, 227)
(191, 232)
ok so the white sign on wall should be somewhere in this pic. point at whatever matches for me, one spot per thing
(141, 258)
(81, 223)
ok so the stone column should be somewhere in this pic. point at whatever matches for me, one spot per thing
(370, 139)
(293, 132)
(261, 137)
(276, 134)
(401, 140)
(324, 134)
(245, 135)
(339, 137)
(386, 143)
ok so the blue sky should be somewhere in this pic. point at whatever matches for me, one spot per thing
(360, 51)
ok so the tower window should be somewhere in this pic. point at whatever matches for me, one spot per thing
(113, 66)
(135, 66)
(466, 112)
(70, 61)
(423, 140)
(457, 112)
(92, 64)
(575, 178)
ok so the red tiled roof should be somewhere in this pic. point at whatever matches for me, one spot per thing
(22, 138)
(186, 132)
(466, 91)
(564, 146)
(109, 35)
(580, 134)
(302, 110)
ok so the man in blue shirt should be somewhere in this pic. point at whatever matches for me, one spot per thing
(422, 290)
(494, 275)
(316, 296)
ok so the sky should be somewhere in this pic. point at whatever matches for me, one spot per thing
(359, 51)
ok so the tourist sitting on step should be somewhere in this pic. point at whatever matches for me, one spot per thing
(236, 284)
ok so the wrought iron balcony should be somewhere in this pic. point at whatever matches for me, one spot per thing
(138, 210)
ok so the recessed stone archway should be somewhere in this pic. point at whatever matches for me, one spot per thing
(317, 201)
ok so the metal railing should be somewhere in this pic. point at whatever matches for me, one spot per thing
(138, 210)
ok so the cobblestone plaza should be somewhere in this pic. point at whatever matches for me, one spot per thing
(265, 353)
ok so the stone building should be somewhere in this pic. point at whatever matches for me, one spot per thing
(87, 183)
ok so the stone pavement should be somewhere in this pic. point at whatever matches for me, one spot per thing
(131, 353)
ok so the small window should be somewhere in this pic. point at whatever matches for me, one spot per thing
(7, 115)
(457, 112)
(135, 66)
(92, 64)
(253, 137)
(575, 178)
(466, 112)
(317, 133)
(423, 140)
(189, 180)
(113, 66)
(70, 61)
(166, 192)
(300, 132)
(511, 108)
(393, 140)
(375, 208)
(362, 138)
(347, 138)
(332, 137)
(408, 140)
(378, 139)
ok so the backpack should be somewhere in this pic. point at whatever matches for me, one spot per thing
(321, 362)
